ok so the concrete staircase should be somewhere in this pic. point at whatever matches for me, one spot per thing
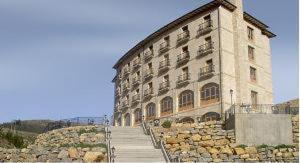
(132, 145)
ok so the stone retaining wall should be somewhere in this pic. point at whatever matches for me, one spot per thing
(295, 126)
(81, 143)
(207, 142)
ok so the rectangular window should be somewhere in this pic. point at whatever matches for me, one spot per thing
(250, 33)
(207, 18)
(208, 39)
(185, 29)
(253, 98)
(251, 53)
(252, 74)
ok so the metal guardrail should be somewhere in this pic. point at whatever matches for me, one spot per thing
(260, 109)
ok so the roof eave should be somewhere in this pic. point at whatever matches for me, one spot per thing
(213, 4)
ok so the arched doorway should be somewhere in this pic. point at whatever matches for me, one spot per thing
(138, 116)
(166, 106)
(210, 116)
(187, 120)
(150, 111)
(127, 119)
(186, 100)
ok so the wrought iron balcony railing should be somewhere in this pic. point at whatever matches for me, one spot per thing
(125, 104)
(148, 73)
(205, 27)
(136, 80)
(183, 57)
(164, 64)
(205, 49)
(163, 47)
(182, 37)
(164, 86)
(136, 63)
(148, 55)
(206, 71)
(148, 93)
(183, 78)
(126, 71)
(136, 98)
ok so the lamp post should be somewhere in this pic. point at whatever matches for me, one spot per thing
(231, 92)
(113, 154)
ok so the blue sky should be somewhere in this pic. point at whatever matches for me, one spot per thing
(56, 56)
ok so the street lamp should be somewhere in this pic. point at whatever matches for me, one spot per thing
(231, 92)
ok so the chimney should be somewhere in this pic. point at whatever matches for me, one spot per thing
(238, 4)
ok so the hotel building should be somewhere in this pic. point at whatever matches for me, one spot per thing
(199, 64)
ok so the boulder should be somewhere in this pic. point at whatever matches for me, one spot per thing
(213, 151)
(251, 150)
(245, 156)
(206, 137)
(93, 156)
(221, 142)
(287, 155)
(239, 151)
(73, 153)
(62, 154)
(207, 143)
(196, 138)
(201, 150)
(226, 150)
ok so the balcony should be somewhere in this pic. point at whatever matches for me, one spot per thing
(148, 55)
(204, 28)
(125, 87)
(163, 47)
(117, 93)
(148, 93)
(136, 63)
(125, 104)
(148, 74)
(136, 98)
(183, 37)
(183, 79)
(183, 58)
(136, 80)
(207, 71)
(205, 49)
(164, 87)
(117, 108)
(126, 71)
(164, 65)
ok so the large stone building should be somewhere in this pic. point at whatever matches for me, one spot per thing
(199, 64)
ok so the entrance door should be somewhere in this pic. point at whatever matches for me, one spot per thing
(127, 119)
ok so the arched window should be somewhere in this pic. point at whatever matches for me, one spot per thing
(166, 105)
(210, 116)
(127, 119)
(210, 93)
(186, 100)
(150, 111)
(138, 116)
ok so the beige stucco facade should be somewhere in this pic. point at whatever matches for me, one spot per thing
(217, 43)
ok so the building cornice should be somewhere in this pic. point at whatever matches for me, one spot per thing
(206, 7)
(258, 24)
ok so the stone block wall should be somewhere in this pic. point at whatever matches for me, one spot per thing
(295, 128)
(208, 142)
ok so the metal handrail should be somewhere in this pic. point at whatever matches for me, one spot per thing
(107, 140)
(157, 144)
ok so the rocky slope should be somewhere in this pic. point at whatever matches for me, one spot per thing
(81, 143)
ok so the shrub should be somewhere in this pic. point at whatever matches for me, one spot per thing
(284, 146)
(167, 124)
(15, 139)
(242, 146)
(262, 146)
